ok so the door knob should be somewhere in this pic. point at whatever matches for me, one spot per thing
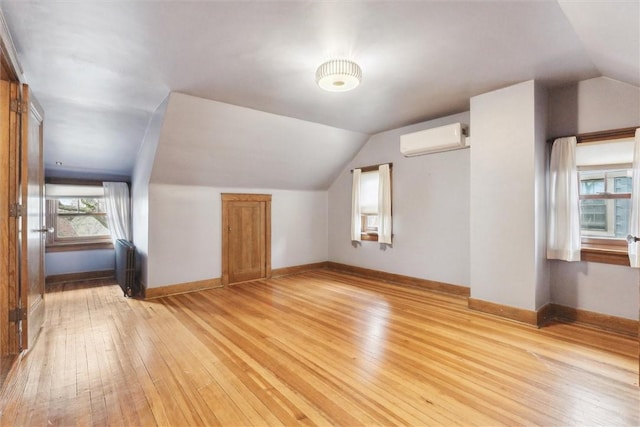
(43, 230)
(632, 239)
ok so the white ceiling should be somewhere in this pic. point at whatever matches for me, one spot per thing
(214, 144)
(101, 68)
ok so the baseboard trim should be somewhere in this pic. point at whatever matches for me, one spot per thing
(620, 325)
(539, 318)
(430, 285)
(182, 288)
(75, 277)
(545, 314)
(287, 271)
(530, 317)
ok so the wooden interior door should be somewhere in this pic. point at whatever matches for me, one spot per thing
(9, 264)
(34, 231)
(21, 227)
(246, 237)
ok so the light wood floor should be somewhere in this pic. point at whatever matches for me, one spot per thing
(319, 348)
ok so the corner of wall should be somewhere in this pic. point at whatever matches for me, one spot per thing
(140, 187)
(542, 268)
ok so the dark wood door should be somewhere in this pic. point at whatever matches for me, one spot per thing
(33, 231)
(21, 219)
(246, 237)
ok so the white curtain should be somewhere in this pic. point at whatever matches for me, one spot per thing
(118, 207)
(356, 219)
(384, 205)
(563, 239)
(634, 229)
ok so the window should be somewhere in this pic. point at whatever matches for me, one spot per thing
(604, 161)
(77, 215)
(369, 187)
(80, 218)
(373, 218)
(605, 203)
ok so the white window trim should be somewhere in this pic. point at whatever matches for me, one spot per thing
(51, 216)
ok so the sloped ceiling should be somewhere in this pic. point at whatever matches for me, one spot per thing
(610, 33)
(210, 143)
(101, 68)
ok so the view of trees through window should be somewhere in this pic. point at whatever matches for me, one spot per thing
(81, 218)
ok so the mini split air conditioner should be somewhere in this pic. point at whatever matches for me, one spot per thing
(443, 138)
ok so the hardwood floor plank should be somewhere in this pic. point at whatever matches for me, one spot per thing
(319, 348)
(282, 333)
(267, 391)
(404, 360)
(178, 369)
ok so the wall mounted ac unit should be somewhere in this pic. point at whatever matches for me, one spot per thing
(443, 138)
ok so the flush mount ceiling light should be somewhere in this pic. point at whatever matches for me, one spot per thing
(338, 75)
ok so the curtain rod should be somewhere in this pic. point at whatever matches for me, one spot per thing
(603, 135)
(373, 167)
(72, 181)
(75, 181)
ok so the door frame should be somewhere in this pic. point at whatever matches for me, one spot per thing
(227, 199)
(9, 218)
(10, 193)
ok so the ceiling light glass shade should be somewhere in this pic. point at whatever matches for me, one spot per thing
(338, 75)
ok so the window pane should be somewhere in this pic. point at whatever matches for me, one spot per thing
(593, 215)
(608, 218)
(69, 226)
(369, 182)
(81, 205)
(90, 205)
(622, 184)
(371, 222)
(67, 205)
(591, 186)
(623, 216)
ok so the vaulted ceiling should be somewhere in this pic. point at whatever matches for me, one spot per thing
(208, 143)
(100, 69)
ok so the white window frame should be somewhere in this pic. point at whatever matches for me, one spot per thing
(608, 173)
(55, 242)
(368, 231)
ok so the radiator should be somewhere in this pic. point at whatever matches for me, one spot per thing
(126, 267)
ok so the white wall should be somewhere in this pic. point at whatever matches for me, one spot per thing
(591, 286)
(79, 261)
(140, 188)
(430, 198)
(588, 106)
(507, 229)
(213, 144)
(185, 231)
(593, 105)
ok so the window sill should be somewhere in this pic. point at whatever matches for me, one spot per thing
(369, 237)
(605, 254)
(69, 247)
